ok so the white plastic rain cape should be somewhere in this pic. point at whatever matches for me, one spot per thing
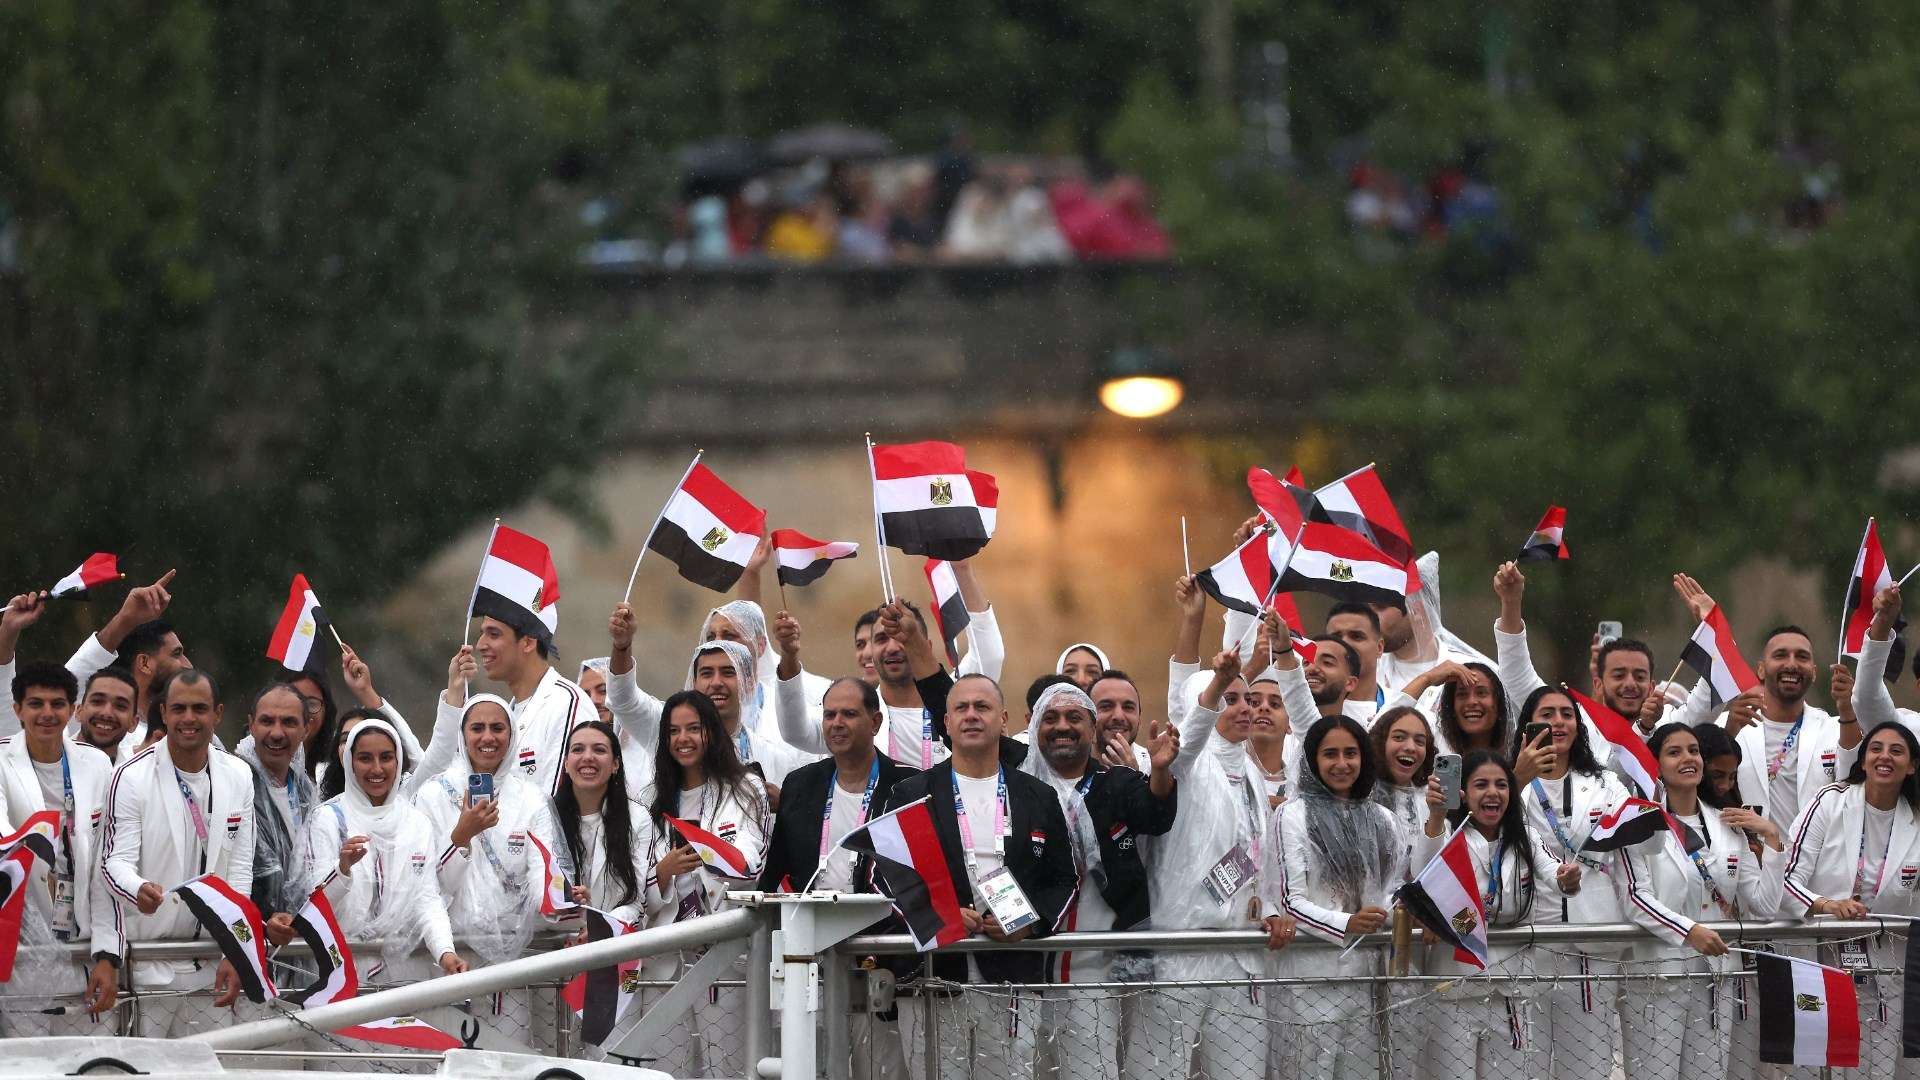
(1086, 844)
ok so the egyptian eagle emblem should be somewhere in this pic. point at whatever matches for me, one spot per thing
(714, 538)
(1465, 920)
(1806, 1003)
(630, 981)
(240, 931)
(940, 491)
(1342, 571)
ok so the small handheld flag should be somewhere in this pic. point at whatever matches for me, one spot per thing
(1809, 1013)
(1712, 653)
(930, 503)
(602, 996)
(1635, 821)
(99, 569)
(1445, 897)
(518, 584)
(950, 615)
(554, 898)
(719, 856)
(18, 850)
(906, 853)
(298, 632)
(1359, 502)
(339, 980)
(1629, 748)
(1870, 575)
(799, 559)
(234, 924)
(1549, 538)
(708, 529)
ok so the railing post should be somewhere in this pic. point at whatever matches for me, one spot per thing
(835, 994)
(759, 994)
(930, 1024)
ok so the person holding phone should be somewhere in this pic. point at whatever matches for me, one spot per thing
(373, 851)
(1334, 863)
(1855, 854)
(698, 778)
(1681, 1026)
(1402, 744)
(1564, 791)
(1475, 1024)
(500, 845)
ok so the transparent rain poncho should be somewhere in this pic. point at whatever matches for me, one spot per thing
(1352, 842)
(495, 906)
(1086, 844)
(392, 895)
(745, 666)
(750, 622)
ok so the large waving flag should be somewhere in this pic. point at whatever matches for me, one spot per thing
(34, 839)
(1712, 653)
(234, 924)
(1630, 751)
(929, 503)
(518, 584)
(1870, 575)
(719, 856)
(1341, 563)
(296, 636)
(950, 615)
(1809, 1013)
(602, 996)
(799, 559)
(339, 979)
(1549, 539)
(1445, 897)
(1635, 821)
(906, 852)
(708, 529)
(1244, 579)
(100, 568)
(1359, 502)
(1286, 502)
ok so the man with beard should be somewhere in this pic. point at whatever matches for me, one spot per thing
(908, 734)
(1788, 748)
(105, 713)
(1107, 810)
(1116, 717)
(282, 798)
(1623, 669)
(1357, 627)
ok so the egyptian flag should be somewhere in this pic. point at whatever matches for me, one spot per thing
(1870, 575)
(602, 996)
(554, 898)
(1244, 579)
(1549, 538)
(1630, 750)
(1342, 564)
(298, 633)
(1286, 502)
(409, 1032)
(906, 851)
(518, 584)
(1445, 897)
(721, 857)
(339, 978)
(1712, 653)
(950, 615)
(1635, 821)
(33, 840)
(99, 569)
(929, 504)
(234, 924)
(799, 559)
(709, 530)
(1809, 1014)
(1360, 503)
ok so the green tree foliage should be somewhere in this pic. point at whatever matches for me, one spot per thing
(278, 270)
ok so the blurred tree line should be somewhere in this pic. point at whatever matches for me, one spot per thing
(277, 264)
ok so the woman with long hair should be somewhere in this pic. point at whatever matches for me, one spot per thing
(1856, 853)
(1480, 1028)
(373, 853)
(1675, 884)
(698, 779)
(1472, 713)
(605, 833)
(1564, 791)
(1337, 862)
(500, 853)
(1402, 744)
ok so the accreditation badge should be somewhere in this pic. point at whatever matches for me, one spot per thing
(1006, 900)
(1230, 874)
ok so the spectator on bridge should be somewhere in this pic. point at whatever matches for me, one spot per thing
(1114, 224)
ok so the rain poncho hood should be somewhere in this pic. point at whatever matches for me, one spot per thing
(1348, 837)
(745, 666)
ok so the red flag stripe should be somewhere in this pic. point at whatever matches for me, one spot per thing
(722, 501)
(907, 460)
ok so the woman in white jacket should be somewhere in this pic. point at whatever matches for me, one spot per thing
(374, 854)
(1487, 1027)
(1339, 858)
(606, 835)
(1680, 1027)
(699, 779)
(1855, 852)
(497, 854)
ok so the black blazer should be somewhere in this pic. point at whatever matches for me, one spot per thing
(793, 851)
(1038, 854)
(1123, 808)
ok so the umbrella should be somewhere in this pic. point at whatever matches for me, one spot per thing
(721, 163)
(835, 142)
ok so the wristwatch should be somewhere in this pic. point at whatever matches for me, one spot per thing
(111, 958)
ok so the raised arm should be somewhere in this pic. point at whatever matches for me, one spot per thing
(790, 711)
(1518, 677)
(1199, 721)
(986, 649)
(749, 586)
(1871, 701)
(445, 741)
(636, 713)
(21, 612)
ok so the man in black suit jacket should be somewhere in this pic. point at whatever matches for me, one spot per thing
(988, 817)
(859, 779)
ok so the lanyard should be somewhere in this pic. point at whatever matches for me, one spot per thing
(1706, 875)
(1860, 861)
(1553, 819)
(743, 745)
(1493, 881)
(1379, 698)
(926, 739)
(866, 800)
(1000, 818)
(379, 883)
(193, 810)
(63, 866)
(1786, 748)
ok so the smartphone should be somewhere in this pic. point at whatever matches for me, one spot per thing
(1446, 769)
(1757, 811)
(1532, 732)
(1610, 630)
(479, 787)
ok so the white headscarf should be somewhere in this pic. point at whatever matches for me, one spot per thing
(402, 857)
(496, 911)
(1060, 665)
